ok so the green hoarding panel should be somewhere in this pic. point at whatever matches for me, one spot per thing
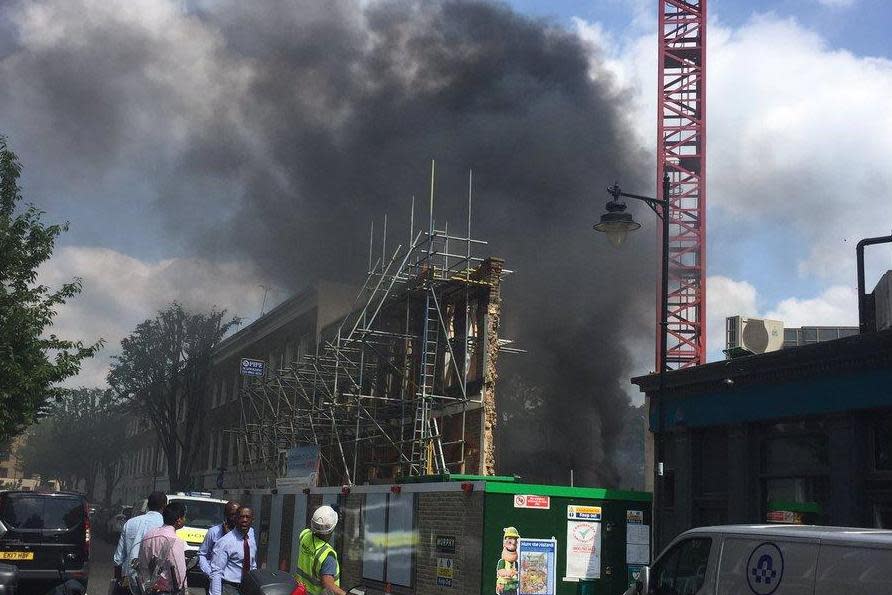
(530, 517)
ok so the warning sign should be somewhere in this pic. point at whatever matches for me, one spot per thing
(583, 513)
(524, 501)
(445, 572)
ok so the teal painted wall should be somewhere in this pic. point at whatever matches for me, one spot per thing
(814, 396)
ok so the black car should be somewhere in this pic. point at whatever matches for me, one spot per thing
(47, 536)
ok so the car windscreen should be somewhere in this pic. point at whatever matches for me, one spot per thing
(201, 514)
(34, 511)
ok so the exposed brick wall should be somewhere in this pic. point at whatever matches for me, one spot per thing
(351, 550)
(457, 514)
(492, 272)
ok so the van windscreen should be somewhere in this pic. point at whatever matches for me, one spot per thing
(34, 511)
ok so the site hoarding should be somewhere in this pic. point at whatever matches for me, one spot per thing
(588, 526)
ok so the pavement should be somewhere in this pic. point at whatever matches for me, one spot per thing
(102, 568)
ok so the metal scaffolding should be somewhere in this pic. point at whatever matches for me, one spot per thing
(373, 394)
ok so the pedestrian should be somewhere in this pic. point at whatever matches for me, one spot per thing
(163, 554)
(132, 534)
(317, 562)
(206, 551)
(235, 555)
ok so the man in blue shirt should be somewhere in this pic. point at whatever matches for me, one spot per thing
(235, 555)
(206, 551)
(133, 532)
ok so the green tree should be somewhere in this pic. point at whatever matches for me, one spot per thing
(163, 374)
(32, 362)
(79, 440)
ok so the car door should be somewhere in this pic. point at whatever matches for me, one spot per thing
(683, 569)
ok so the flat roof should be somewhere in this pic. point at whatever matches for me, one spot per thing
(871, 350)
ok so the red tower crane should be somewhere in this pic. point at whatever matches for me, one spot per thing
(681, 152)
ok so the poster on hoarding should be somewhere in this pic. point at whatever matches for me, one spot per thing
(538, 562)
(583, 549)
(301, 467)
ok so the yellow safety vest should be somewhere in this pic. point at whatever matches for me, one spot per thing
(311, 554)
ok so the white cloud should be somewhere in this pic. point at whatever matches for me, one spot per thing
(836, 306)
(799, 139)
(726, 297)
(121, 291)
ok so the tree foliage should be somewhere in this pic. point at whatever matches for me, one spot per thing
(78, 441)
(162, 375)
(32, 362)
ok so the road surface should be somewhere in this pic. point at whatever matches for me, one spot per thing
(102, 568)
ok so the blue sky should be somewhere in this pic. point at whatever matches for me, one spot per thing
(861, 26)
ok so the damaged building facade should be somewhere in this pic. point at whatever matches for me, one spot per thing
(402, 385)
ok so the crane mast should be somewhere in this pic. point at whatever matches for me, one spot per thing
(681, 152)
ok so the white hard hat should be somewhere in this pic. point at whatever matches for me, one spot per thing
(324, 520)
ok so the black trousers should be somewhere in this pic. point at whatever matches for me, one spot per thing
(230, 588)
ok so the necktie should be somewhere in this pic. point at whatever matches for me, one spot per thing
(246, 559)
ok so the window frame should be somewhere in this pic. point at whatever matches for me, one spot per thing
(679, 548)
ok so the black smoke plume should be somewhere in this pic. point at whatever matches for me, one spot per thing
(273, 132)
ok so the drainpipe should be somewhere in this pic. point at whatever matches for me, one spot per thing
(862, 295)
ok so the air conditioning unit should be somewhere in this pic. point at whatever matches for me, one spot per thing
(746, 336)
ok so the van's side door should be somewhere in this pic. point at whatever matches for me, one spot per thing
(683, 568)
(854, 569)
(758, 565)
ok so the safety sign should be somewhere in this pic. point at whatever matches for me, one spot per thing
(524, 501)
(583, 513)
(765, 569)
(445, 572)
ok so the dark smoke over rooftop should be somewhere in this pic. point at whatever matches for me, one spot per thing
(272, 132)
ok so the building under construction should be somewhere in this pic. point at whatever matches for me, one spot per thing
(403, 385)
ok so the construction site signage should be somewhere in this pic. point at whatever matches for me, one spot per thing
(445, 544)
(583, 549)
(538, 562)
(584, 513)
(445, 572)
(251, 367)
(524, 501)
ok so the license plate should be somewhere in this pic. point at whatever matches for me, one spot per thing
(16, 555)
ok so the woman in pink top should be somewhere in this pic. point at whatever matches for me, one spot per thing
(162, 555)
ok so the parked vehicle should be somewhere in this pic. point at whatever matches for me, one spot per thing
(47, 537)
(202, 513)
(772, 560)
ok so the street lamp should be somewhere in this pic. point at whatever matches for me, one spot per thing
(616, 223)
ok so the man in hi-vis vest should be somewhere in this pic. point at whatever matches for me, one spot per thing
(317, 562)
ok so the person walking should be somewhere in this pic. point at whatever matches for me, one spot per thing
(163, 554)
(317, 562)
(132, 534)
(235, 555)
(206, 551)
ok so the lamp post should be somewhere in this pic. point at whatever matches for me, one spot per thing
(616, 223)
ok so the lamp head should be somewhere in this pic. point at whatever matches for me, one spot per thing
(616, 223)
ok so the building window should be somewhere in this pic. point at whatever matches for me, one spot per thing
(881, 437)
(795, 465)
(805, 453)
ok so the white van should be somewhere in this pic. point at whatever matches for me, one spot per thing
(772, 560)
